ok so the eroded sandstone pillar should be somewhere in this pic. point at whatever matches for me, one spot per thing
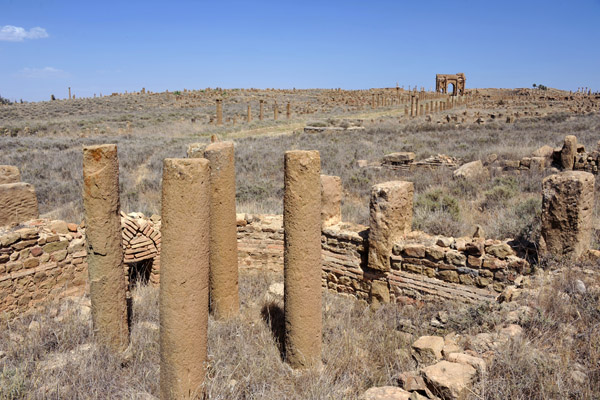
(567, 214)
(183, 297)
(219, 112)
(331, 200)
(302, 258)
(108, 286)
(391, 211)
(568, 152)
(224, 299)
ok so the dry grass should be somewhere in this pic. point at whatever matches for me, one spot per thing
(503, 206)
(50, 353)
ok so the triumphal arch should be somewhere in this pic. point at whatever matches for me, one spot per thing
(456, 81)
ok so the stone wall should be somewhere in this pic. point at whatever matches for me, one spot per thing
(422, 266)
(40, 260)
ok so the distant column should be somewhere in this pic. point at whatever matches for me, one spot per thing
(275, 111)
(249, 116)
(261, 111)
(288, 111)
(219, 112)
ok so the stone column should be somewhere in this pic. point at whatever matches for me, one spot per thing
(417, 106)
(219, 112)
(249, 116)
(275, 111)
(288, 111)
(373, 101)
(391, 212)
(108, 286)
(261, 110)
(331, 200)
(224, 299)
(567, 214)
(421, 109)
(302, 258)
(183, 297)
(69, 93)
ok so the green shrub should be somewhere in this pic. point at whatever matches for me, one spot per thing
(437, 200)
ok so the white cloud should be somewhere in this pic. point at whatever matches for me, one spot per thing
(46, 72)
(11, 33)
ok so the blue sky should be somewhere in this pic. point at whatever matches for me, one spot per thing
(108, 46)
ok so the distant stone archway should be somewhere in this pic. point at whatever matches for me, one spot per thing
(457, 81)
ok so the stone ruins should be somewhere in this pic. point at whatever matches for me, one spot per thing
(18, 199)
(302, 258)
(442, 81)
(184, 285)
(104, 245)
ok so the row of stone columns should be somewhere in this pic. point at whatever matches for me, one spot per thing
(199, 269)
(261, 113)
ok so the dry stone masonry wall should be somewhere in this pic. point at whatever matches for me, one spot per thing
(40, 260)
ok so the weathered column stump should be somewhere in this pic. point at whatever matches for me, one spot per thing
(391, 211)
(331, 200)
(108, 286)
(183, 298)
(567, 214)
(302, 258)
(224, 300)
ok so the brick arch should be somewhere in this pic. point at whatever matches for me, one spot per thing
(141, 242)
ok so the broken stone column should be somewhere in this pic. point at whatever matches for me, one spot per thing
(69, 93)
(568, 152)
(373, 101)
(224, 299)
(567, 214)
(183, 297)
(275, 111)
(261, 110)
(249, 115)
(288, 111)
(219, 112)
(391, 211)
(108, 285)
(302, 258)
(331, 200)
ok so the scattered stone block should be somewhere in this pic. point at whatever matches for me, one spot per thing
(428, 349)
(471, 171)
(386, 393)
(449, 380)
